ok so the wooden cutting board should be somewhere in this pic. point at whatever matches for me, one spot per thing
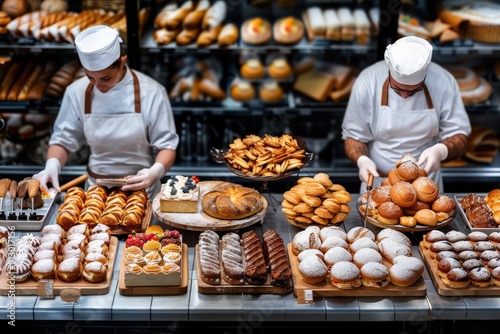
(445, 290)
(226, 288)
(155, 290)
(200, 221)
(30, 286)
(327, 289)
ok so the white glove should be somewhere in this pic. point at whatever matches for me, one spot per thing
(366, 167)
(50, 174)
(146, 177)
(432, 157)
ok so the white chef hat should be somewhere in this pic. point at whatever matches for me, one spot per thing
(98, 47)
(408, 59)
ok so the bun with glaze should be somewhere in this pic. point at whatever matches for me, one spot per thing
(374, 275)
(345, 275)
(427, 190)
(389, 213)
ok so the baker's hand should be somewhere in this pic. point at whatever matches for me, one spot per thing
(50, 174)
(366, 167)
(432, 157)
(145, 177)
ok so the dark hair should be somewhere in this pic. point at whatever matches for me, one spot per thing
(116, 63)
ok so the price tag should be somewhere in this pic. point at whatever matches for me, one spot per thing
(46, 288)
(305, 297)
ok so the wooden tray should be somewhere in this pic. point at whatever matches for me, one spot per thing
(444, 290)
(327, 289)
(200, 221)
(226, 288)
(30, 287)
(155, 290)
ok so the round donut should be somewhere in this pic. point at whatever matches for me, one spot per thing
(365, 255)
(389, 213)
(403, 194)
(94, 272)
(466, 78)
(70, 270)
(445, 265)
(432, 236)
(44, 269)
(480, 276)
(313, 270)
(427, 190)
(406, 270)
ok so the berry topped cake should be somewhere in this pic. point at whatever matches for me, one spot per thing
(180, 194)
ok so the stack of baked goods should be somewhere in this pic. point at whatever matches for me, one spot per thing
(407, 197)
(154, 251)
(112, 207)
(247, 259)
(355, 258)
(322, 81)
(80, 253)
(197, 81)
(267, 156)
(473, 87)
(190, 22)
(482, 212)
(180, 194)
(316, 201)
(341, 24)
(461, 260)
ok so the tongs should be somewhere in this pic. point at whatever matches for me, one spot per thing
(369, 186)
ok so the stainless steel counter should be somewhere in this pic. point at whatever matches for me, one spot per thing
(246, 308)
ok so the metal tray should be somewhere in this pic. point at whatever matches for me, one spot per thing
(401, 228)
(29, 224)
(458, 198)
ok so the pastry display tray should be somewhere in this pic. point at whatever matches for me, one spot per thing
(200, 221)
(226, 288)
(327, 289)
(458, 200)
(156, 289)
(29, 224)
(445, 290)
(30, 286)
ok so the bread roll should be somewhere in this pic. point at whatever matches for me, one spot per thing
(403, 194)
(389, 213)
(374, 275)
(427, 190)
(215, 15)
(313, 270)
(194, 18)
(252, 69)
(345, 275)
(228, 35)
(406, 270)
(209, 36)
(9, 78)
(426, 217)
(94, 272)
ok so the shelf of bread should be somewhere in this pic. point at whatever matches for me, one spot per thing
(82, 258)
(462, 264)
(332, 262)
(247, 263)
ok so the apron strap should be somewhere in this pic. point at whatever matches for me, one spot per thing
(385, 94)
(137, 95)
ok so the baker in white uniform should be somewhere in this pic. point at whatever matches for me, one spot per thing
(123, 115)
(404, 104)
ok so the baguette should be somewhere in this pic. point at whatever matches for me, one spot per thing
(187, 36)
(32, 79)
(215, 15)
(8, 81)
(177, 16)
(162, 17)
(208, 37)
(21, 80)
(38, 90)
(164, 36)
(228, 35)
(195, 18)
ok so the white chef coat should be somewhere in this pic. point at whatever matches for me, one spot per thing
(122, 155)
(388, 138)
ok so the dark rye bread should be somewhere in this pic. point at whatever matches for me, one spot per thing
(255, 268)
(275, 252)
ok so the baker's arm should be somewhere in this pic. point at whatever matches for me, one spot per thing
(357, 152)
(456, 145)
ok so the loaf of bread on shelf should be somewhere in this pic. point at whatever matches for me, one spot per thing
(30, 82)
(165, 36)
(62, 78)
(187, 36)
(228, 35)
(215, 15)
(208, 36)
(193, 19)
(8, 81)
(314, 22)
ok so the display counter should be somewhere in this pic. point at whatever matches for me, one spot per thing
(114, 309)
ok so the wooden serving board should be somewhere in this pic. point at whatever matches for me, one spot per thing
(327, 289)
(226, 288)
(200, 221)
(155, 290)
(30, 286)
(445, 290)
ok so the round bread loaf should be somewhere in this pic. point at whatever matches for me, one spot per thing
(443, 203)
(345, 275)
(403, 194)
(406, 270)
(427, 190)
(231, 201)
